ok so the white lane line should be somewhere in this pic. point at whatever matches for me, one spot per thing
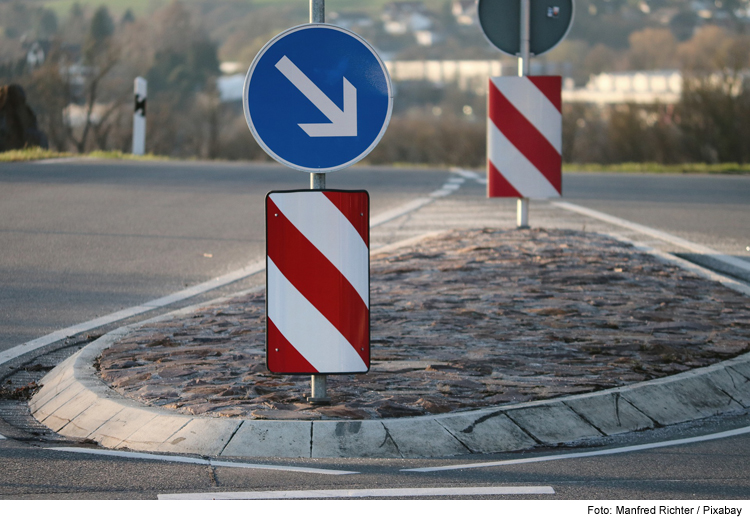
(198, 289)
(687, 265)
(362, 493)
(410, 207)
(198, 461)
(405, 209)
(471, 175)
(52, 161)
(2, 437)
(601, 452)
(672, 239)
(256, 267)
(465, 173)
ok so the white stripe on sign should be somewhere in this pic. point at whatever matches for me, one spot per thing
(536, 107)
(197, 461)
(347, 252)
(362, 493)
(587, 454)
(306, 329)
(515, 167)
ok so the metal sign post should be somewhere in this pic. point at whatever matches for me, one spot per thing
(530, 167)
(317, 98)
(522, 205)
(318, 383)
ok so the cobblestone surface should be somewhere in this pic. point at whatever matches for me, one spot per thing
(468, 319)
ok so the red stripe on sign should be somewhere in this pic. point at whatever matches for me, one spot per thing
(498, 186)
(354, 206)
(525, 137)
(281, 356)
(551, 87)
(318, 280)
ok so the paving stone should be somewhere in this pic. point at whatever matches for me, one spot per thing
(423, 437)
(679, 400)
(733, 383)
(609, 412)
(114, 431)
(365, 438)
(743, 368)
(483, 432)
(203, 436)
(263, 438)
(91, 419)
(70, 410)
(53, 404)
(552, 423)
(153, 433)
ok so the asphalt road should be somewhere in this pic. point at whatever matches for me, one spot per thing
(712, 210)
(84, 239)
(710, 470)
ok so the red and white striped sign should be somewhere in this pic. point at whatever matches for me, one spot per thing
(318, 282)
(524, 137)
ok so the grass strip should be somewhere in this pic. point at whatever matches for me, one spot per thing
(658, 168)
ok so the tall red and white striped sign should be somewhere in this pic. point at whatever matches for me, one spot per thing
(318, 282)
(524, 137)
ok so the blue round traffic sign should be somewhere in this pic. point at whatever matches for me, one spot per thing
(317, 98)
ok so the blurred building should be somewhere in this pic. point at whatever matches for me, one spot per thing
(469, 75)
(642, 87)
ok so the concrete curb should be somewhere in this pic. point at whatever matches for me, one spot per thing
(76, 403)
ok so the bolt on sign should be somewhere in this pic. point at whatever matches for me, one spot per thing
(318, 282)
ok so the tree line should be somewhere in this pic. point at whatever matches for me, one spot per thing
(78, 73)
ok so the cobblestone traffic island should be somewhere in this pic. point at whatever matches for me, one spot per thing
(462, 320)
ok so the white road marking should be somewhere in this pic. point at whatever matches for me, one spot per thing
(362, 493)
(70, 331)
(198, 461)
(256, 267)
(687, 265)
(62, 159)
(396, 212)
(2, 437)
(587, 454)
(471, 175)
(656, 233)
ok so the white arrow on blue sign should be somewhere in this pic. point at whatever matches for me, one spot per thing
(317, 98)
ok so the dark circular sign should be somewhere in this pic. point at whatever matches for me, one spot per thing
(550, 21)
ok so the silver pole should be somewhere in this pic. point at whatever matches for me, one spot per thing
(318, 181)
(522, 208)
(523, 60)
(317, 11)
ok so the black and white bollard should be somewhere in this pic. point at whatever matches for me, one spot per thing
(139, 117)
